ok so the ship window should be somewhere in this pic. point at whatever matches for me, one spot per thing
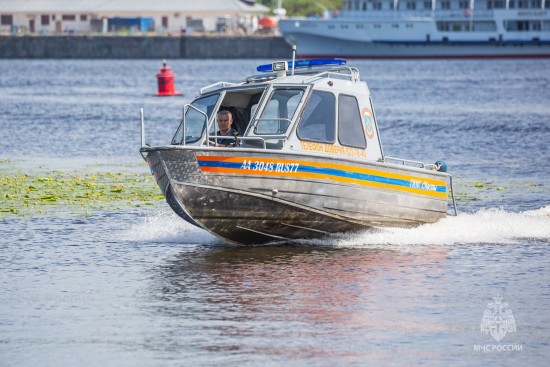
(279, 111)
(427, 4)
(446, 4)
(45, 19)
(350, 126)
(442, 26)
(6, 20)
(318, 119)
(411, 5)
(463, 4)
(516, 26)
(485, 26)
(195, 121)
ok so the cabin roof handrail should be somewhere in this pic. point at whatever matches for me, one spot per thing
(215, 86)
(352, 74)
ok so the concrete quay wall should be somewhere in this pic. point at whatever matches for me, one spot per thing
(145, 47)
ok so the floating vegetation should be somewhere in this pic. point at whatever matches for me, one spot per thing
(56, 192)
(470, 191)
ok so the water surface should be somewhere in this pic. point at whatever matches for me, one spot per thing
(139, 286)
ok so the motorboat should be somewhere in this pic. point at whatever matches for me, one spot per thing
(307, 161)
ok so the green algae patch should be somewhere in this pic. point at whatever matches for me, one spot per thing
(58, 192)
(468, 191)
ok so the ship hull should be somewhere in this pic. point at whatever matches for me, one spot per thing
(312, 46)
(251, 197)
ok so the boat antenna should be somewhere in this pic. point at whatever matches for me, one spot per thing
(293, 58)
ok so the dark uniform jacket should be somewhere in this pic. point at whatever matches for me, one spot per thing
(232, 133)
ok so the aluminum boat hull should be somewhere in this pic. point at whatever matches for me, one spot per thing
(294, 195)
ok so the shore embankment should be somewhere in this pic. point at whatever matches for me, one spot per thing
(143, 47)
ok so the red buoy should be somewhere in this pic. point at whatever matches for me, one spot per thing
(165, 79)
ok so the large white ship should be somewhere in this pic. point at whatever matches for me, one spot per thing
(425, 29)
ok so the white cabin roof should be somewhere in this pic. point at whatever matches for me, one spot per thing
(131, 6)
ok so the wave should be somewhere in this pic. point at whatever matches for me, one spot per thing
(487, 226)
(166, 226)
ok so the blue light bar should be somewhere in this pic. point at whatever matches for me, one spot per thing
(304, 64)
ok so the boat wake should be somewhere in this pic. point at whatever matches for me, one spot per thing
(487, 226)
(167, 227)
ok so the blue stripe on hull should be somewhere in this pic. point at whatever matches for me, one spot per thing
(327, 172)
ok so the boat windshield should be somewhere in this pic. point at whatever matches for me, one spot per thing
(196, 118)
(279, 111)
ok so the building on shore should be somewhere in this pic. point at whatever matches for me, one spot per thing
(160, 17)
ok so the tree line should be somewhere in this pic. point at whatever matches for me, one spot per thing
(304, 7)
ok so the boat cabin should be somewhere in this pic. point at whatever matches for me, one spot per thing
(318, 106)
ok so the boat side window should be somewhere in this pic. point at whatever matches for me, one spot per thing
(195, 121)
(279, 111)
(318, 120)
(350, 124)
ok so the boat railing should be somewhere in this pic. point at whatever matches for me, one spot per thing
(238, 138)
(244, 139)
(407, 162)
(453, 194)
(265, 141)
(386, 14)
(216, 86)
(463, 14)
(377, 15)
(404, 162)
(352, 75)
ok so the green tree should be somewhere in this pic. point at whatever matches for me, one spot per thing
(304, 7)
